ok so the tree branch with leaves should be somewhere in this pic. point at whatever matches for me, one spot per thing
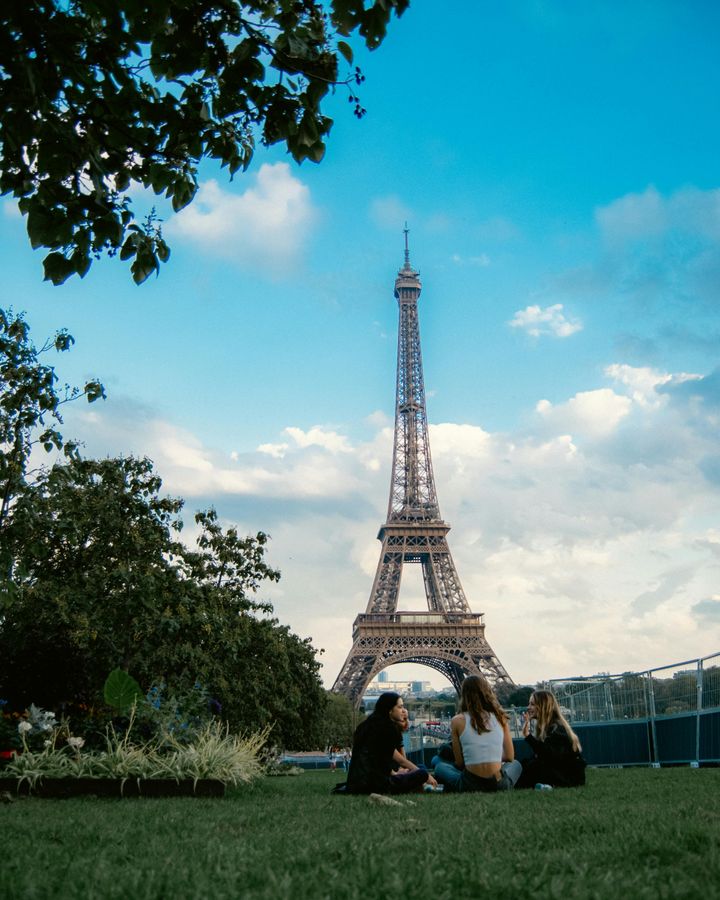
(30, 404)
(97, 95)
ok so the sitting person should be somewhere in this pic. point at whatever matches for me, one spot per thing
(557, 761)
(376, 751)
(400, 759)
(484, 757)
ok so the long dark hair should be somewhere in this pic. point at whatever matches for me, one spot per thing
(385, 702)
(478, 699)
(381, 713)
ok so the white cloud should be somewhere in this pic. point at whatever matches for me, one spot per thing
(575, 534)
(482, 260)
(190, 469)
(643, 382)
(650, 215)
(596, 413)
(655, 271)
(265, 227)
(378, 419)
(460, 441)
(537, 321)
(319, 437)
(275, 450)
(633, 216)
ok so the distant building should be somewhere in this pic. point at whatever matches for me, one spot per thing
(405, 688)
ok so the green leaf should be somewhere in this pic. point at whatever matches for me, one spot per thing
(121, 690)
(129, 248)
(57, 268)
(63, 341)
(81, 262)
(145, 264)
(346, 50)
(316, 152)
(94, 391)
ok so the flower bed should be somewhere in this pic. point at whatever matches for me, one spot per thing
(161, 767)
(185, 757)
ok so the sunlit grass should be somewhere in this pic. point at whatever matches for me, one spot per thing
(634, 833)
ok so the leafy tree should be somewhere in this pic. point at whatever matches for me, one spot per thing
(102, 582)
(30, 407)
(98, 94)
(676, 694)
(338, 720)
(515, 695)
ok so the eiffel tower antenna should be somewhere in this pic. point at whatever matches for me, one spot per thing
(447, 636)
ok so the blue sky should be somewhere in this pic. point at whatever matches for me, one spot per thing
(558, 169)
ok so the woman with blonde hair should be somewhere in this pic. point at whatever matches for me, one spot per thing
(557, 759)
(484, 757)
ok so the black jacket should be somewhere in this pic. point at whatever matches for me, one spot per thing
(555, 762)
(374, 744)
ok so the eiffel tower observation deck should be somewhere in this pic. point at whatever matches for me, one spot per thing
(447, 636)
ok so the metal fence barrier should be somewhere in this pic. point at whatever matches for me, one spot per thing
(664, 716)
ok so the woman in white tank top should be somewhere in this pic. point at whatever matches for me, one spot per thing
(481, 743)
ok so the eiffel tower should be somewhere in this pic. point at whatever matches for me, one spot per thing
(447, 636)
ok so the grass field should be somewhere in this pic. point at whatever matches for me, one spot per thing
(632, 833)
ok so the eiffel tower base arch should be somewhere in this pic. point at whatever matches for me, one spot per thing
(452, 644)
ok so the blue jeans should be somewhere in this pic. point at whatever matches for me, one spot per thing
(460, 781)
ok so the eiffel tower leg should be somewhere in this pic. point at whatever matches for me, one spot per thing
(363, 661)
(490, 667)
(442, 583)
(386, 587)
(355, 675)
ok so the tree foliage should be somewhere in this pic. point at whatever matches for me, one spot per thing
(98, 94)
(514, 695)
(101, 581)
(30, 405)
(338, 722)
(438, 707)
(94, 576)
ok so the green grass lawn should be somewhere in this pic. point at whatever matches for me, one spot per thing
(632, 833)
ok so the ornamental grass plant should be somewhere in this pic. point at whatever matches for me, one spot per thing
(217, 754)
(209, 752)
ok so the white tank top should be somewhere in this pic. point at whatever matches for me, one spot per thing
(482, 748)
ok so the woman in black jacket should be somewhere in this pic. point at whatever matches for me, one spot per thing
(557, 761)
(377, 750)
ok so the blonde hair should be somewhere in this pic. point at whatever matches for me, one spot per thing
(547, 713)
(478, 699)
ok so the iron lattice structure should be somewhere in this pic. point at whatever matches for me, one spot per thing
(447, 636)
